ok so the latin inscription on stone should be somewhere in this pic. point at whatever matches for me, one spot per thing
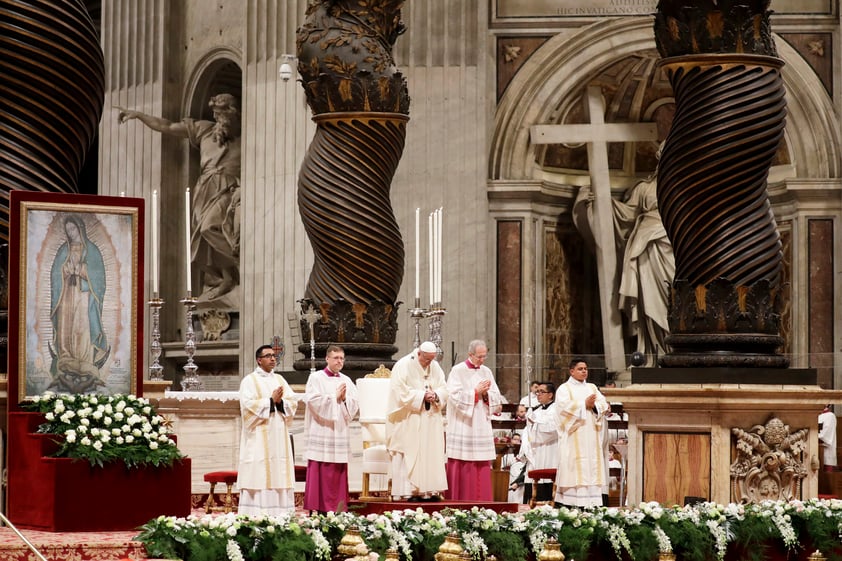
(576, 8)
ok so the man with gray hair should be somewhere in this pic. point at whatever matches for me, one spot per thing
(473, 398)
(415, 427)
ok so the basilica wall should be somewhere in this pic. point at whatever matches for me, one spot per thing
(479, 75)
(546, 55)
(166, 59)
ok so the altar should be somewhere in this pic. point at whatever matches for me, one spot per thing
(682, 445)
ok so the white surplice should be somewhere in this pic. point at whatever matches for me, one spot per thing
(266, 473)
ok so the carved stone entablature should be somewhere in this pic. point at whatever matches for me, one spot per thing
(770, 462)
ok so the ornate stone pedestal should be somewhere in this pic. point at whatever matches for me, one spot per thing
(682, 445)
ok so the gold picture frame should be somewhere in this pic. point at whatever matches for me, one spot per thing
(75, 294)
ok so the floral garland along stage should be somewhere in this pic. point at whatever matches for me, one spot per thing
(702, 532)
(106, 428)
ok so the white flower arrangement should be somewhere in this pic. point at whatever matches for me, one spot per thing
(106, 428)
(578, 532)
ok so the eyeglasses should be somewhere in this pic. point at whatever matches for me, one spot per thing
(266, 356)
(542, 391)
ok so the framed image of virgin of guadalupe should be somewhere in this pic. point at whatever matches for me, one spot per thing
(75, 295)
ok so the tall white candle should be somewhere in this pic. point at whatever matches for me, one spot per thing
(187, 238)
(439, 252)
(430, 253)
(154, 224)
(417, 254)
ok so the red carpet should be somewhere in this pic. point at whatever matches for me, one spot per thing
(76, 546)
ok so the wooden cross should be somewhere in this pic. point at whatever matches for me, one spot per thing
(597, 134)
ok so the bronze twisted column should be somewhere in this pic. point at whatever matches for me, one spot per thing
(729, 121)
(51, 96)
(361, 108)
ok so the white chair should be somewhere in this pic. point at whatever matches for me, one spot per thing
(372, 392)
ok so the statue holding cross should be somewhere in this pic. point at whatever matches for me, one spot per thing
(597, 134)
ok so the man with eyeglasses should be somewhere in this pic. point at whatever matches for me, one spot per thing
(331, 399)
(266, 474)
(415, 426)
(582, 471)
(473, 397)
(540, 442)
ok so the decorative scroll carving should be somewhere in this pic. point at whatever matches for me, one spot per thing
(769, 464)
(365, 331)
(722, 324)
(345, 56)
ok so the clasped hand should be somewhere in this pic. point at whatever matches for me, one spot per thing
(430, 396)
(483, 387)
(278, 394)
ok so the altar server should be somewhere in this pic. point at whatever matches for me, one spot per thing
(266, 475)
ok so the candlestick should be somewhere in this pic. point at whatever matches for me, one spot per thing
(191, 381)
(417, 253)
(154, 221)
(435, 316)
(311, 315)
(187, 238)
(156, 371)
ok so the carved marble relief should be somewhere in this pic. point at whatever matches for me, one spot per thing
(770, 462)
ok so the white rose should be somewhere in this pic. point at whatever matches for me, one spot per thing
(85, 441)
(153, 445)
(98, 445)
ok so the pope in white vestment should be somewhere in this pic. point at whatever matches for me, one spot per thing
(580, 408)
(266, 474)
(415, 426)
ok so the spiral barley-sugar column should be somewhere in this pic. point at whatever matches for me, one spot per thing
(729, 120)
(361, 106)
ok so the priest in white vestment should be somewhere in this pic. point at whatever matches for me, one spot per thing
(331, 399)
(827, 437)
(473, 398)
(415, 426)
(581, 410)
(266, 474)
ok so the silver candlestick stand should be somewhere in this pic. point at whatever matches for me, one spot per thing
(156, 371)
(417, 313)
(436, 314)
(311, 316)
(191, 381)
